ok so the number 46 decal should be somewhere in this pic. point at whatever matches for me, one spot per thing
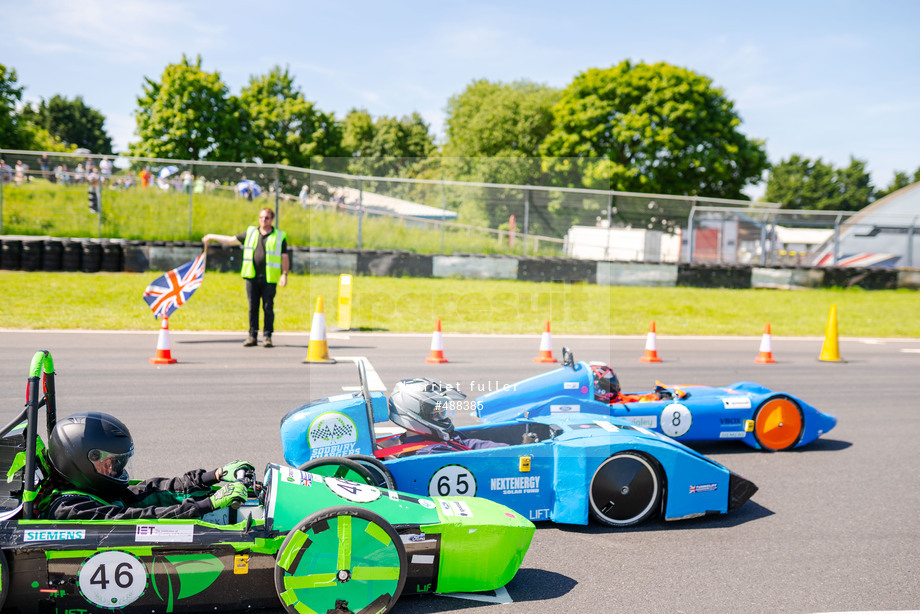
(112, 579)
(452, 480)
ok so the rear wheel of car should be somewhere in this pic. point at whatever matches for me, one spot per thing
(382, 476)
(778, 424)
(341, 559)
(340, 467)
(625, 490)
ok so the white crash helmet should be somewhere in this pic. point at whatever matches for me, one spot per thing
(422, 405)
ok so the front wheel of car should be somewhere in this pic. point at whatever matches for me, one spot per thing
(341, 559)
(625, 490)
(382, 476)
(778, 424)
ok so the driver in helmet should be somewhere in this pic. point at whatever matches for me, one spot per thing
(422, 406)
(607, 387)
(89, 455)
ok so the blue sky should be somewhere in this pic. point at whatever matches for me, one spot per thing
(825, 79)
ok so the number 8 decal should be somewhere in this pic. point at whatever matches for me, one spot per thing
(112, 579)
(675, 420)
(452, 480)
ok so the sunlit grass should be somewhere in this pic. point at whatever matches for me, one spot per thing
(113, 301)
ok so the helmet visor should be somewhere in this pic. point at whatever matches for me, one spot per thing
(109, 464)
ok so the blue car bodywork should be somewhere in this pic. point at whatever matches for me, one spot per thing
(563, 468)
(743, 411)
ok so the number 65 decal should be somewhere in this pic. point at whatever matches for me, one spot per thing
(451, 480)
(112, 579)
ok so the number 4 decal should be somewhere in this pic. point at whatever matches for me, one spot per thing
(452, 480)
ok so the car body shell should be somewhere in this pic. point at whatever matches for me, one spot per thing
(545, 480)
(692, 414)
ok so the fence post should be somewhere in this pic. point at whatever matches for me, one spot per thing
(836, 239)
(690, 240)
(189, 186)
(609, 224)
(910, 242)
(526, 218)
(2, 179)
(443, 212)
(277, 198)
(360, 212)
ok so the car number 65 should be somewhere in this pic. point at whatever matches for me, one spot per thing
(452, 480)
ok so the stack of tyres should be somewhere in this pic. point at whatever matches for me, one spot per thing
(32, 255)
(72, 258)
(92, 257)
(112, 257)
(53, 255)
(11, 257)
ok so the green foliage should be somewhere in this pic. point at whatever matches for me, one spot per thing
(11, 133)
(285, 128)
(386, 146)
(654, 129)
(900, 180)
(801, 183)
(72, 123)
(189, 115)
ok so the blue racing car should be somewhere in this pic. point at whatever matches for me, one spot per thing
(744, 411)
(564, 467)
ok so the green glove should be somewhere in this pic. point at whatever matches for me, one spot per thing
(231, 494)
(237, 471)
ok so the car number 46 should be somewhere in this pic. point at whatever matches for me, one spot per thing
(452, 480)
(112, 579)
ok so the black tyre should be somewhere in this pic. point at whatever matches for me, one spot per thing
(341, 468)
(625, 490)
(4, 579)
(383, 478)
(342, 559)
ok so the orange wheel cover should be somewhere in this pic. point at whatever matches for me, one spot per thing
(779, 424)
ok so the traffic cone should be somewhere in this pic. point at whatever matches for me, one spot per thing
(766, 353)
(164, 355)
(318, 348)
(651, 351)
(830, 352)
(546, 346)
(437, 346)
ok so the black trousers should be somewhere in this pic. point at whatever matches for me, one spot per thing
(259, 291)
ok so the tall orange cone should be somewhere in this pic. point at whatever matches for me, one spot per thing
(766, 352)
(318, 348)
(164, 355)
(546, 346)
(830, 352)
(437, 345)
(651, 349)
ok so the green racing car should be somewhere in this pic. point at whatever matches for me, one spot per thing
(304, 542)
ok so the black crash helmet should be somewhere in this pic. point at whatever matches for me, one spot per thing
(606, 383)
(422, 405)
(91, 450)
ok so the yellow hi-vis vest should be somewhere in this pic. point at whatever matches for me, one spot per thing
(272, 254)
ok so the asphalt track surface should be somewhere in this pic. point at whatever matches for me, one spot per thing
(835, 527)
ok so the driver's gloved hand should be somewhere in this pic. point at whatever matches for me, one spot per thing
(237, 471)
(230, 494)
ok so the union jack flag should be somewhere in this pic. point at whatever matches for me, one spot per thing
(172, 290)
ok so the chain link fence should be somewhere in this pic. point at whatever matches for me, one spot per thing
(88, 195)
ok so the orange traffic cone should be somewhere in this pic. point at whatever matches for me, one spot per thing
(546, 346)
(164, 355)
(651, 350)
(318, 348)
(766, 353)
(437, 346)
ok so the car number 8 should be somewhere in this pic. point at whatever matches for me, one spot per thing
(112, 579)
(675, 420)
(452, 480)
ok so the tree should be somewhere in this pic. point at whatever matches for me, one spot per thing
(285, 127)
(386, 146)
(12, 133)
(189, 115)
(653, 128)
(72, 123)
(801, 183)
(901, 180)
(506, 121)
